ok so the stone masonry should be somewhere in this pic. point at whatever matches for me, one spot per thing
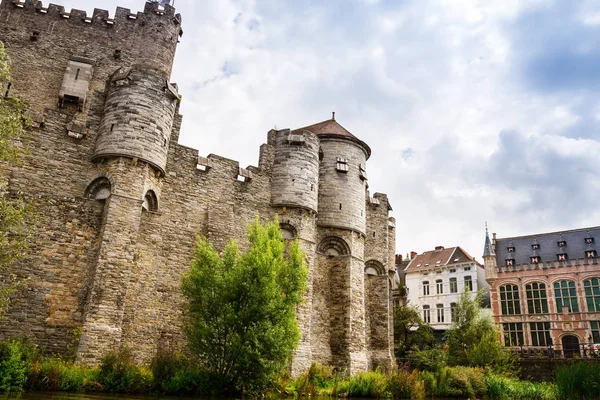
(120, 202)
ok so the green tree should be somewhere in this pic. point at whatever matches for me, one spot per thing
(410, 330)
(240, 319)
(473, 339)
(14, 231)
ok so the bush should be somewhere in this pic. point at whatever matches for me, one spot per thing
(364, 384)
(316, 380)
(427, 359)
(15, 356)
(501, 387)
(455, 382)
(404, 384)
(120, 374)
(579, 380)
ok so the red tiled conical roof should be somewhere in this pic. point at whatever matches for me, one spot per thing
(331, 128)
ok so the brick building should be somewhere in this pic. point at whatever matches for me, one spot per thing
(120, 202)
(545, 289)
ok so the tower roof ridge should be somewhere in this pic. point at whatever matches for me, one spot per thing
(331, 128)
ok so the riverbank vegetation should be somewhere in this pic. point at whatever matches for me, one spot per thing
(22, 367)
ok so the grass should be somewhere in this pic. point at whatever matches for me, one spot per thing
(579, 381)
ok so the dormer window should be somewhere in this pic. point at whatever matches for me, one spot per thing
(535, 246)
(590, 253)
(562, 243)
(561, 257)
(589, 240)
(341, 165)
(535, 260)
(511, 249)
(510, 263)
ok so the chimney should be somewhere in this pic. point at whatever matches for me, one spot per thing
(494, 235)
(439, 248)
(413, 254)
(398, 259)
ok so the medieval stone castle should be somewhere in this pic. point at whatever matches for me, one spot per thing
(119, 202)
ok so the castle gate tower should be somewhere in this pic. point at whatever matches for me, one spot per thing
(338, 316)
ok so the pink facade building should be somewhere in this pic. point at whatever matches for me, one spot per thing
(545, 290)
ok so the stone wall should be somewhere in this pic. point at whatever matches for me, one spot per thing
(111, 266)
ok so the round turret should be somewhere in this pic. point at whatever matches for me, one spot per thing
(138, 116)
(295, 177)
(342, 177)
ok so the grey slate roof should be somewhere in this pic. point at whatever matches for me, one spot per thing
(575, 247)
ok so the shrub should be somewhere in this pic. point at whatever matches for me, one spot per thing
(501, 387)
(15, 356)
(404, 384)
(314, 380)
(364, 384)
(427, 359)
(165, 367)
(120, 374)
(580, 380)
(455, 382)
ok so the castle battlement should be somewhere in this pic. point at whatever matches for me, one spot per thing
(99, 16)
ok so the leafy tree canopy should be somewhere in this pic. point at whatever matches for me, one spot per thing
(240, 319)
(410, 330)
(473, 339)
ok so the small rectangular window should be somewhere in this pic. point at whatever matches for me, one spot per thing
(341, 165)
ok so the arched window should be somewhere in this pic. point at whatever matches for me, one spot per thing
(99, 189)
(333, 246)
(374, 267)
(592, 294)
(566, 296)
(150, 201)
(509, 300)
(287, 231)
(537, 300)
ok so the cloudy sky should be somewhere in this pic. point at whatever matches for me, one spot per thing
(475, 110)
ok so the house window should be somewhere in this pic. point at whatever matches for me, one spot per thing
(510, 263)
(425, 288)
(589, 240)
(509, 300)
(592, 294)
(561, 257)
(513, 334)
(426, 314)
(535, 260)
(537, 301)
(510, 249)
(535, 246)
(439, 286)
(452, 270)
(469, 283)
(453, 285)
(440, 312)
(562, 243)
(341, 165)
(590, 253)
(453, 312)
(566, 296)
(540, 333)
(467, 268)
(595, 325)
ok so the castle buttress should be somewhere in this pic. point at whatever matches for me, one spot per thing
(120, 202)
